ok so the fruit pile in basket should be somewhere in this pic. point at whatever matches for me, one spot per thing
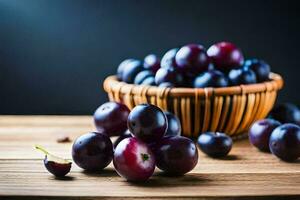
(192, 65)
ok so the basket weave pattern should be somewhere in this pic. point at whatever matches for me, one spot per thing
(231, 109)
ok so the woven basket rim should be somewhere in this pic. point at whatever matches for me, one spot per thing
(275, 83)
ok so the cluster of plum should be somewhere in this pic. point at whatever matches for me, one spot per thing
(192, 65)
(148, 137)
(135, 157)
(279, 134)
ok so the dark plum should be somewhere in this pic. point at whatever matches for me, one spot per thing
(92, 151)
(124, 135)
(166, 84)
(141, 76)
(211, 78)
(215, 145)
(285, 142)
(286, 113)
(225, 56)
(131, 69)
(55, 165)
(241, 76)
(168, 60)
(192, 58)
(152, 62)
(133, 160)
(169, 75)
(188, 79)
(260, 68)
(147, 122)
(111, 118)
(121, 68)
(174, 126)
(176, 155)
(260, 132)
(149, 81)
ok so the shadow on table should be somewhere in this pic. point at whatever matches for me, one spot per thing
(108, 172)
(159, 179)
(230, 157)
(162, 180)
(65, 178)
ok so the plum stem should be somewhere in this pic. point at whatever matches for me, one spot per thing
(145, 157)
(38, 147)
(42, 149)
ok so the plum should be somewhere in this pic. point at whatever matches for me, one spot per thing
(147, 122)
(133, 160)
(215, 145)
(111, 118)
(176, 155)
(92, 151)
(285, 142)
(260, 132)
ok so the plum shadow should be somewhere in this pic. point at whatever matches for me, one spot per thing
(65, 178)
(229, 157)
(101, 173)
(163, 180)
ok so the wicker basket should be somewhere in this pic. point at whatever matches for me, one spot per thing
(231, 109)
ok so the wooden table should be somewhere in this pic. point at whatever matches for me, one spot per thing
(245, 174)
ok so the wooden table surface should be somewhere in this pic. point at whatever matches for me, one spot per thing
(245, 174)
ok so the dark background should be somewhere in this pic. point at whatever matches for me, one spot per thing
(54, 54)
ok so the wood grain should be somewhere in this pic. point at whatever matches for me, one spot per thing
(245, 174)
